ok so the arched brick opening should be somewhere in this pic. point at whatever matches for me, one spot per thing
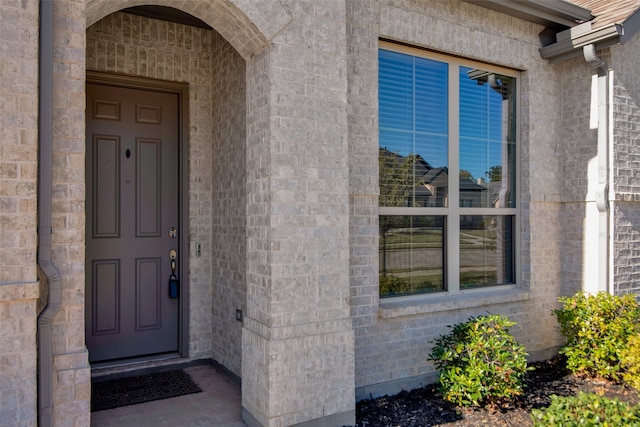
(247, 36)
(247, 26)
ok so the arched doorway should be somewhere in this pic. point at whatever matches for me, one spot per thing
(157, 44)
(240, 34)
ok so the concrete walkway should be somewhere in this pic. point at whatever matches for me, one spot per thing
(219, 404)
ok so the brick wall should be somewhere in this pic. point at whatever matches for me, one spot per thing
(392, 345)
(228, 213)
(298, 341)
(580, 250)
(362, 63)
(626, 167)
(579, 154)
(18, 212)
(18, 148)
(18, 397)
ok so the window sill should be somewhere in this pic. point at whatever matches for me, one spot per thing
(425, 304)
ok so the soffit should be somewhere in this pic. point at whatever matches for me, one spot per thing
(556, 14)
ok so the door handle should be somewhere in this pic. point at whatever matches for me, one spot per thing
(174, 285)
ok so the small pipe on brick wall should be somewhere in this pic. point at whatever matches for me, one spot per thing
(48, 272)
(602, 192)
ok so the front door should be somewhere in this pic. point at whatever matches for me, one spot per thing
(132, 233)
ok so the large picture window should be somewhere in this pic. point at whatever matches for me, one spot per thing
(447, 168)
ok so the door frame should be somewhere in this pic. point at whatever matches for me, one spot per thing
(182, 91)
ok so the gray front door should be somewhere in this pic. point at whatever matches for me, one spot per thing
(132, 210)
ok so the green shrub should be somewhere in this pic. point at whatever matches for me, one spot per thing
(480, 362)
(586, 409)
(597, 328)
(630, 360)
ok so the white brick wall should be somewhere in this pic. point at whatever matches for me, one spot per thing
(18, 399)
(626, 167)
(18, 212)
(298, 341)
(18, 146)
(228, 213)
(579, 147)
(391, 353)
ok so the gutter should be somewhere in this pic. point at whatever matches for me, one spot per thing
(602, 191)
(570, 42)
(49, 273)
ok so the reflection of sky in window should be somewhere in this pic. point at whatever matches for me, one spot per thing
(480, 125)
(413, 113)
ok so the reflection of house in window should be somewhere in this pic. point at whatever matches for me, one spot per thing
(472, 194)
(436, 182)
(411, 181)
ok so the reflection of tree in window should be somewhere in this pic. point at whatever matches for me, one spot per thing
(399, 178)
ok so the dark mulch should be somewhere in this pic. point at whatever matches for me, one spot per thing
(425, 407)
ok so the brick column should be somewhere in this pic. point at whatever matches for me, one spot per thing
(72, 374)
(298, 350)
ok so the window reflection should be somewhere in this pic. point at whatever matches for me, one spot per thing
(486, 250)
(421, 96)
(413, 131)
(411, 254)
(487, 139)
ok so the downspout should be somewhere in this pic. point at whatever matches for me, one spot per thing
(602, 192)
(49, 274)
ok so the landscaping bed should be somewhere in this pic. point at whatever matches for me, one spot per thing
(425, 407)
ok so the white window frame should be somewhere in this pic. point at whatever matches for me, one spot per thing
(454, 211)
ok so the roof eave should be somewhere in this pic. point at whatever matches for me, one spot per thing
(570, 48)
(631, 26)
(550, 13)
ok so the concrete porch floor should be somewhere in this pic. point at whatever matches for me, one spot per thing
(219, 404)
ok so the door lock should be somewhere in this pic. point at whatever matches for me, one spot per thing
(174, 285)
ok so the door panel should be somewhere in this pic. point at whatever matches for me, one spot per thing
(148, 293)
(148, 188)
(132, 202)
(106, 186)
(106, 300)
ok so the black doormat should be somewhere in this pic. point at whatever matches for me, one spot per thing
(114, 393)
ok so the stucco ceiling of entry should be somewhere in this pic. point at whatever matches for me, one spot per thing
(248, 25)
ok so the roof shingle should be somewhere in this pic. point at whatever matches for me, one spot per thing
(609, 12)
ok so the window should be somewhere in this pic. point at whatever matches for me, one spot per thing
(440, 230)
